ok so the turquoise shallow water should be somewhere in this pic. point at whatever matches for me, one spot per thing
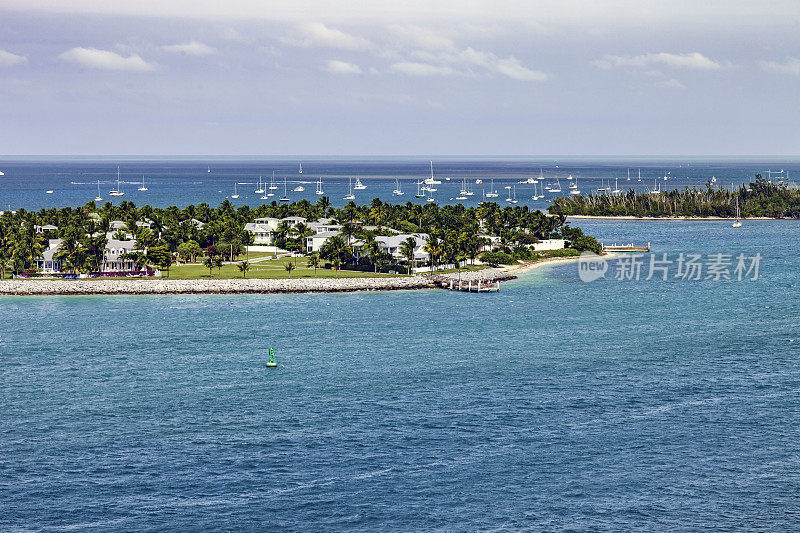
(554, 404)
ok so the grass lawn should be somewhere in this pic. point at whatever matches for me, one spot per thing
(265, 270)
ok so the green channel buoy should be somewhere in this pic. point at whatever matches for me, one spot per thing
(272, 363)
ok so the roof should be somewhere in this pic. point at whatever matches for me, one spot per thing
(325, 235)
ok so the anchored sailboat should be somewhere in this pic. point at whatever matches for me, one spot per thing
(98, 198)
(117, 192)
(319, 190)
(737, 223)
(397, 190)
(431, 180)
(285, 197)
(235, 194)
(350, 195)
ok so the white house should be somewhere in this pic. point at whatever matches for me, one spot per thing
(112, 260)
(47, 263)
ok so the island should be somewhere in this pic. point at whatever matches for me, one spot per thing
(276, 247)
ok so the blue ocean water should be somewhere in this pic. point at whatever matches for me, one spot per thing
(553, 404)
(182, 182)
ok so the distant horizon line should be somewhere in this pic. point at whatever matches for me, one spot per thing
(422, 157)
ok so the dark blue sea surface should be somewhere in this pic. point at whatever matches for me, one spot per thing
(73, 182)
(551, 405)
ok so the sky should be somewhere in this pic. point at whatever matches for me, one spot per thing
(384, 78)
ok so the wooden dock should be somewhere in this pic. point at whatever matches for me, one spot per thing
(466, 286)
(626, 247)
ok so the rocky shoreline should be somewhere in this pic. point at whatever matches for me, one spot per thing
(30, 287)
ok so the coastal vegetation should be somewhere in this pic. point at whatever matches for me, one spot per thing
(207, 241)
(761, 198)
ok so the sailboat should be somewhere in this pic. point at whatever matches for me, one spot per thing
(319, 191)
(359, 186)
(616, 191)
(397, 190)
(469, 190)
(272, 185)
(640, 174)
(431, 180)
(492, 191)
(209, 170)
(514, 199)
(299, 188)
(573, 188)
(737, 223)
(429, 198)
(350, 195)
(462, 194)
(419, 192)
(98, 198)
(508, 187)
(557, 188)
(656, 189)
(301, 169)
(260, 189)
(235, 194)
(602, 188)
(117, 192)
(142, 188)
(573, 185)
(629, 174)
(285, 197)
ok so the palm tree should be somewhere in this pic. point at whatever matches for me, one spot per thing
(313, 261)
(407, 248)
(208, 262)
(289, 267)
(243, 267)
(218, 262)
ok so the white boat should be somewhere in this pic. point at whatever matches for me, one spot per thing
(514, 199)
(319, 190)
(461, 198)
(98, 198)
(738, 222)
(299, 188)
(557, 188)
(419, 191)
(235, 194)
(569, 178)
(602, 188)
(629, 174)
(209, 170)
(142, 187)
(2, 174)
(285, 197)
(429, 199)
(656, 189)
(478, 181)
(359, 186)
(48, 192)
(529, 180)
(397, 190)
(573, 185)
(640, 174)
(431, 180)
(616, 191)
(469, 190)
(508, 187)
(301, 169)
(350, 195)
(272, 185)
(573, 188)
(117, 192)
(260, 189)
(492, 191)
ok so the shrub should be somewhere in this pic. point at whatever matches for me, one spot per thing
(497, 258)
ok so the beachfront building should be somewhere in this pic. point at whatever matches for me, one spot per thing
(263, 228)
(45, 228)
(393, 245)
(47, 264)
(112, 256)
(548, 244)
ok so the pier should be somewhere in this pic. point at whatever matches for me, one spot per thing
(473, 285)
(626, 247)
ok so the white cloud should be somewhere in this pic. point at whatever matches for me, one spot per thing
(411, 68)
(670, 84)
(316, 34)
(423, 38)
(694, 60)
(510, 66)
(7, 59)
(105, 60)
(334, 66)
(790, 66)
(192, 48)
